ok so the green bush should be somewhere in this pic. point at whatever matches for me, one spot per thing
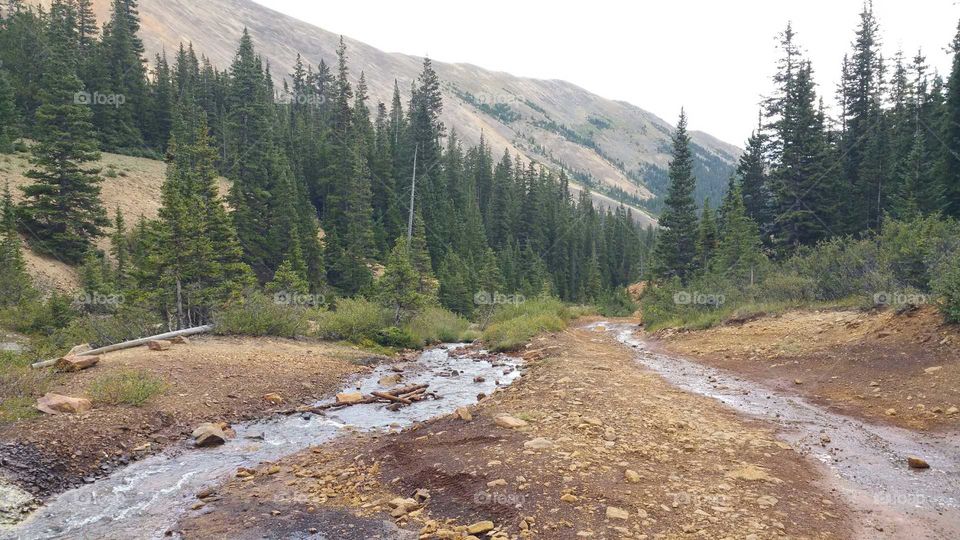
(257, 315)
(946, 285)
(513, 325)
(616, 304)
(787, 288)
(355, 319)
(397, 337)
(437, 325)
(20, 385)
(911, 249)
(126, 387)
(100, 330)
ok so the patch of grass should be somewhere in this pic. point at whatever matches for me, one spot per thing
(20, 385)
(513, 325)
(258, 315)
(438, 325)
(354, 320)
(128, 387)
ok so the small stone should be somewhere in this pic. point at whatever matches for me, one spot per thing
(507, 421)
(890, 412)
(797, 382)
(540, 443)
(209, 434)
(932, 369)
(632, 476)
(480, 527)
(496, 483)
(617, 513)
(569, 498)
(349, 397)
(464, 414)
(917, 463)
(952, 410)
(158, 345)
(273, 398)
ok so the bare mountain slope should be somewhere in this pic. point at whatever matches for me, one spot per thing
(618, 149)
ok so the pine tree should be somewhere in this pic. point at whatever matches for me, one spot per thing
(8, 114)
(120, 249)
(62, 212)
(15, 284)
(706, 237)
(123, 73)
(676, 244)
(951, 136)
(397, 288)
(752, 174)
(738, 255)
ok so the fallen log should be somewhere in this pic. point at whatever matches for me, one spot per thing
(390, 397)
(132, 343)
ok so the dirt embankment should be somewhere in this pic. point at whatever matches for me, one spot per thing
(599, 449)
(218, 379)
(899, 369)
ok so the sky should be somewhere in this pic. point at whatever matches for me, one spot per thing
(715, 58)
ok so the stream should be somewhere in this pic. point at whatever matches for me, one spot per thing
(867, 462)
(146, 498)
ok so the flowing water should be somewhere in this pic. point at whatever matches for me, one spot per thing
(867, 461)
(146, 498)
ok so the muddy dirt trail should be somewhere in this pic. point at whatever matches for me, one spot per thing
(868, 462)
(145, 498)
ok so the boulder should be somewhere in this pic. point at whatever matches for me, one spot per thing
(917, 463)
(209, 434)
(52, 403)
(75, 363)
(464, 414)
(507, 421)
(480, 527)
(158, 345)
(349, 397)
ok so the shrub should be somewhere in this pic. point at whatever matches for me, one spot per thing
(616, 304)
(100, 330)
(126, 387)
(257, 315)
(19, 386)
(355, 319)
(842, 267)
(946, 285)
(397, 337)
(911, 249)
(437, 325)
(787, 288)
(514, 324)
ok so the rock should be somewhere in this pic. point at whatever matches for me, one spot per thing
(917, 463)
(158, 345)
(480, 527)
(952, 410)
(507, 421)
(874, 383)
(609, 434)
(497, 483)
(932, 369)
(180, 340)
(592, 421)
(209, 434)
(797, 381)
(749, 472)
(273, 398)
(632, 476)
(403, 506)
(71, 363)
(569, 497)
(421, 495)
(479, 379)
(540, 443)
(565, 380)
(464, 414)
(390, 380)
(824, 438)
(890, 412)
(349, 397)
(52, 403)
(617, 513)
(767, 500)
(208, 491)
(77, 349)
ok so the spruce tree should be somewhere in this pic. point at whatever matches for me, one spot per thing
(738, 255)
(706, 237)
(8, 114)
(676, 245)
(62, 212)
(950, 179)
(397, 288)
(15, 284)
(120, 249)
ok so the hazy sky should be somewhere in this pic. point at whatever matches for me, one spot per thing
(713, 57)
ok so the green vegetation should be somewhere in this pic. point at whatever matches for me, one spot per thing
(258, 315)
(513, 325)
(128, 387)
(19, 386)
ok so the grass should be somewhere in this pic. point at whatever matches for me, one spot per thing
(355, 320)
(257, 315)
(513, 325)
(127, 387)
(704, 319)
(437, 325)
(20, 385)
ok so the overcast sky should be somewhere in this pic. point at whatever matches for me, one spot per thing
(713, 57)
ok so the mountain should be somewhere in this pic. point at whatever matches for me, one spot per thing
(619, 150)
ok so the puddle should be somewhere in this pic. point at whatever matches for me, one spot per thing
(867, 460)
(146, 498)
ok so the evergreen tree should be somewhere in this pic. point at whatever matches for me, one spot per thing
(120, 249)
(706, 237)
(122, 72)
(15, 284)
(951, 136)
(738, 255)
(397, 288)
(676, 245)
(62, 212)
(8, 114)
(752, 175)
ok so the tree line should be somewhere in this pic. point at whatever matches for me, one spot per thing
(321, 180)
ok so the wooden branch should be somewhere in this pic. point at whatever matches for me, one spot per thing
(391, 397)
(132, 343)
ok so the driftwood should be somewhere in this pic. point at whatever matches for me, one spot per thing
(132, 343)
(397, 397)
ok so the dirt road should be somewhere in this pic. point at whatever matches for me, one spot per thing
(586, 444)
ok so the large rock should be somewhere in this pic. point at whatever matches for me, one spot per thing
(507, 421)
(349, 397)
(917, 463)
(158, 345)
(75, 363)
(617, 513)
(480, 527)
(52, 403)
(209, 434)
